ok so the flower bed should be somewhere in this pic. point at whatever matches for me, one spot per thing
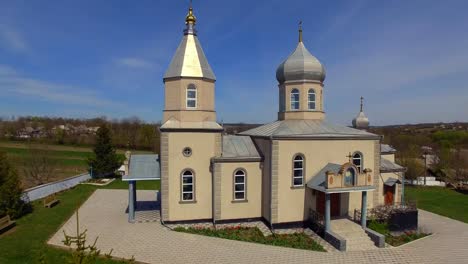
(253, 234)
(397, 240)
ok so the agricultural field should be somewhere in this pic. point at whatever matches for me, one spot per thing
(67, 160)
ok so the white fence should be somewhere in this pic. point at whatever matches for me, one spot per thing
(44, 190)
(430, 181)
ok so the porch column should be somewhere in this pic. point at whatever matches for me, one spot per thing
(135, 194)
(131, 201)
(403, 188)
(327, 212)
(364, 209)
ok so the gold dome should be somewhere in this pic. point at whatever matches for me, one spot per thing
(190, 18)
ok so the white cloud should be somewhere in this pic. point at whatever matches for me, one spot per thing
(134, 63)
(12, 39)
(63, 94)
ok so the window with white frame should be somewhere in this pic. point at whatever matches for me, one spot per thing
(294, 99)
(239, 185)
(311, 99)
(298, 170)
(188, 186)
(357, 161)
(191, 96)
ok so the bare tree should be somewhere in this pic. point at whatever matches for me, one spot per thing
(39, 166)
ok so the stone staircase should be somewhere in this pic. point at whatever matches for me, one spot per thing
(356, 238)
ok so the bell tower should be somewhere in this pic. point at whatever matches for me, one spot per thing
(189, 81)
(190, 135)
(300, 82)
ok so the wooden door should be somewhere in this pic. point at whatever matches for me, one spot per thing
(389, 193)
(334, 204)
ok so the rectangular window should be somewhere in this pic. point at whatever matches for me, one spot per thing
(187, 187)
(311, 101)
(298, 173)
(191, 97)
(239, 185)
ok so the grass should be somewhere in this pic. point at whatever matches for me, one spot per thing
(439, 200)
(395, 241)
(249, 234)
(27, 242)
(69, 160)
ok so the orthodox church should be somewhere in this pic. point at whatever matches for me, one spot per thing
(281, 173)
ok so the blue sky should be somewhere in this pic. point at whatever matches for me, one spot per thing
(409, 59)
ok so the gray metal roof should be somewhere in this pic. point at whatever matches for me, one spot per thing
(319, 179)
(384, 148)
(388, 166)
(189, 60)
(300, 65)
(143, 167)
(307, 129)
(392, 181)
(239, 147)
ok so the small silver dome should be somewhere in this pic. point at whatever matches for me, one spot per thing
(361, 121)
(300, 65)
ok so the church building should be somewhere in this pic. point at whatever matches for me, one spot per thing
(281, 173)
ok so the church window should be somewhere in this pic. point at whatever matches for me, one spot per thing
(188, 186)
(294, 99)
(357, 161)
(239, 185)
(298, 170)
(349, 177)
(187, 152)
(191, 96)
(311, 99)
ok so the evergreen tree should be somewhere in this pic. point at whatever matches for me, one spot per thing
(105, 161)
(10, 190)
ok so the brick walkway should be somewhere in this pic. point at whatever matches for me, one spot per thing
(104, 216)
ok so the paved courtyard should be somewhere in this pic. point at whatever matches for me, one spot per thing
(104, 216)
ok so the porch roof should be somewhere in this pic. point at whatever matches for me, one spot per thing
(392, 181)
(143, 167)
(318, 181)
(388, 166)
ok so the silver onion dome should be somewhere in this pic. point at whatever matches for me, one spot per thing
(300, 65)
(361, 121)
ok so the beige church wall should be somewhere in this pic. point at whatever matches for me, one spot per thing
(303, 112)
(175, 99)
(190, 115)
(264, 146)
(252, 206)
(203, 147)
(390, 157)
(293, 203)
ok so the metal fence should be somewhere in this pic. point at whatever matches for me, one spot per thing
(44, 190)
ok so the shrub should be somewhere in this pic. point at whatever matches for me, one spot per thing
(10, 191)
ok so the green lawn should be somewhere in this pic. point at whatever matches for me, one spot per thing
(439, 200)
(27, 242)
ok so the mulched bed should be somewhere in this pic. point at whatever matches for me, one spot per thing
(253, 234)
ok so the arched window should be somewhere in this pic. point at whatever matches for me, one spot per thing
(188, 186)
(239, 185)
(311, 99)
(191, 96)
(298, 170)
(294, 99)
(357, 161)
(349, 177)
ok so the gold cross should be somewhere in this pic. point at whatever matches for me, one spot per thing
(350, 157)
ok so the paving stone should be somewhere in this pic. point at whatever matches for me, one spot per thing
(103, 214)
